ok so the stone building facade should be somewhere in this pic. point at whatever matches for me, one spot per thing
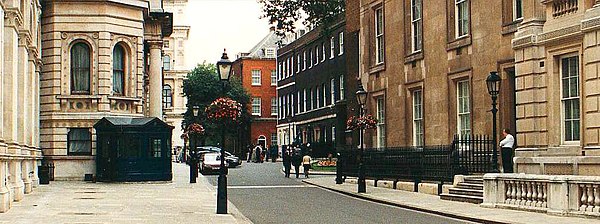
(311, 81)
(175, 69)
(557, 53)
(100, 59)
(424, 66)
(257, 70)
(19, 87)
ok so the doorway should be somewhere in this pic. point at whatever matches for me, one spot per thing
(262, 141)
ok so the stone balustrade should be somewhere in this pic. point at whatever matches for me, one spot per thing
(552, 194)
(564, 7)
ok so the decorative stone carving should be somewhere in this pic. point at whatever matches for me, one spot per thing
(12, 17)
(590, 23)
(575, 29)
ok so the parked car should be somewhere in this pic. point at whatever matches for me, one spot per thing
(232, 160)
(210, 163)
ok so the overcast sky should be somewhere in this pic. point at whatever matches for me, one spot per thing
(218, 24)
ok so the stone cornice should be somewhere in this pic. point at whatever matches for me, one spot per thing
(154, 44)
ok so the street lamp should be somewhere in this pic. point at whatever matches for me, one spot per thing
(224, 70)
(361, 97)
(184, 127)
(493, 86)
(289, 120)
(193, 153)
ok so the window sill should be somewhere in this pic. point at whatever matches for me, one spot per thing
(124, 98)
(78, 97)
(458, 43)
(511, 27)
(377, 68)
(415, 56)
(255, 114)
(256, 84)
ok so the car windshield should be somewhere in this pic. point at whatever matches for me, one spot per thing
(213, 149)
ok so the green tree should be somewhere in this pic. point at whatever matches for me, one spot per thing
(284, 14)
(201, 88)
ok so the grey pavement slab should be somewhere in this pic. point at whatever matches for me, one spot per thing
(433, 203)
(145, 202)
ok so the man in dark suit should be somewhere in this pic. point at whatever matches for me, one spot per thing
(287, 160)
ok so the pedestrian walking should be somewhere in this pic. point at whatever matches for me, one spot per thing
(273, 152)
(249, 148)
(287, 161)
(296, 161)
(507, 145)
(256, 154)
(306, 164)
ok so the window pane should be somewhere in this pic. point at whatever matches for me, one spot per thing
(576, 133)
(167, 96)
(118, 67)
(167, 62)
(80, 68)
(79, 141)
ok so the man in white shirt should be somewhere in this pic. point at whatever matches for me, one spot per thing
(507, 150)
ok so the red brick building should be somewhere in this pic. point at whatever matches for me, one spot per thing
(257, 70)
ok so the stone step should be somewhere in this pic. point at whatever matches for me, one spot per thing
(464, 185)
(462, 198)
(466, 191)
(474, 181)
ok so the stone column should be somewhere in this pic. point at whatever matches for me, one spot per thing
(156, 80)
(14, 168)
(25, 176)
(21, 92)
(4, 192)
(10, 82)
(2, 144)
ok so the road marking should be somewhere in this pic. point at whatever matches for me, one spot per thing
(275, 186)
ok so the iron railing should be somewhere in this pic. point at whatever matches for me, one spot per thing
(474, 153)
(430, 163)
(466, 155)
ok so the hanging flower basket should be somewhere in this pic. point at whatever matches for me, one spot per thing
(366, 122)
(224, 109)
(194, 130)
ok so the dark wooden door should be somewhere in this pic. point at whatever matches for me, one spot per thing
(507, 104)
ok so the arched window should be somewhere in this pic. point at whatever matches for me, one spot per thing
(167, 96)
(167, 62)
(80, 68)
(118, 70)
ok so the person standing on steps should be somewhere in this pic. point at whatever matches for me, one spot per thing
(507, 145)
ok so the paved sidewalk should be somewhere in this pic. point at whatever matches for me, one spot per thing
(148, 202)
(433, 204)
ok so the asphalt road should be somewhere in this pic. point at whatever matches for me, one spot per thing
(264, 195)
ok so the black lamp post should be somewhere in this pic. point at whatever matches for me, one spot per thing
(184, 127)
(493, 86)
(224, 70)
(193, 153)
(361, 97)
(289, 120)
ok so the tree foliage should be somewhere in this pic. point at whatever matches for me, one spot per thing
(201, 88)
(284, 14)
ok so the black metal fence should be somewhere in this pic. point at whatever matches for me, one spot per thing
(433, 163)
(466, 155)
(474, 153)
